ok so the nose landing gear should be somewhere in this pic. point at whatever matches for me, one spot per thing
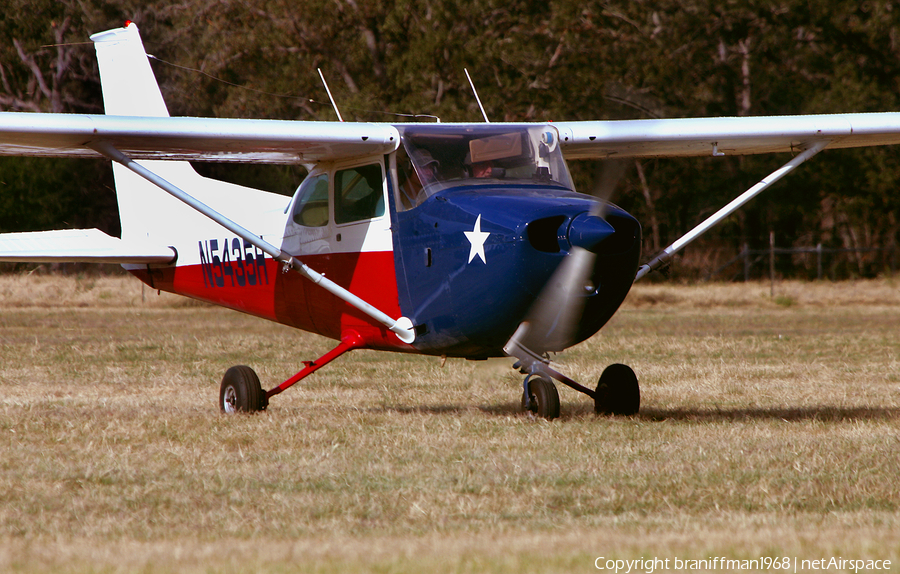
(617, 392)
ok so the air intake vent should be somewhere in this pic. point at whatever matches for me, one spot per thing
(544, 234)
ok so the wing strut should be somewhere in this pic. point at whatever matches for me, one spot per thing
(735, 204)
(401, 327)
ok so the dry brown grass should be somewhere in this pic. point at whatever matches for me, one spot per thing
(755, 294)
(767, 428)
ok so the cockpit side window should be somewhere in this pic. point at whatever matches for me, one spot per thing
(408, 185)
(311, 205)
(359, 193)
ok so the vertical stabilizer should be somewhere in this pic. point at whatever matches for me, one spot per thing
(129, 86)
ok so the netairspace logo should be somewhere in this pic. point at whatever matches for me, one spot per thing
(763, 563)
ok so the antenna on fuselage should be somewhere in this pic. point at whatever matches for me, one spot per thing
(477, 99)
(333, 104)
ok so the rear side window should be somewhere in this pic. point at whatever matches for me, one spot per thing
(359, 193)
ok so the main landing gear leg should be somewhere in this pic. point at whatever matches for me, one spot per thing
(241, 390)
(617, 392)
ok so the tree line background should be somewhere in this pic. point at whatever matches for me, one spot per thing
(531, 61)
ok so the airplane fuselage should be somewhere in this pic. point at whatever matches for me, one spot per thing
(464, 259)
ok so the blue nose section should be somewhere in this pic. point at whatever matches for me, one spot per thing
(588, 231)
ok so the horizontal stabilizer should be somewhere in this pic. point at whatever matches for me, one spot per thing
(80, 246)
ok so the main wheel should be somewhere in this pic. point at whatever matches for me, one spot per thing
(241, 392)
(617, 392)
(544, 398)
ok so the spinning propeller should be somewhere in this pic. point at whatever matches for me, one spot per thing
(552, 321)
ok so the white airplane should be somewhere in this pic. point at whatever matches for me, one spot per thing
(454, 240)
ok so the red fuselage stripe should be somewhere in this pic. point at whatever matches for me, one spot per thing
(256, 285)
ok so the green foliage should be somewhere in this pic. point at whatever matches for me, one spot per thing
(38, 194)
(534, 61)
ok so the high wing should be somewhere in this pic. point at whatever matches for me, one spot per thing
(693, 137)
(284, 141)
(194, 139)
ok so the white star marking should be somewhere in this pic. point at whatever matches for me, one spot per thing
(477, 237)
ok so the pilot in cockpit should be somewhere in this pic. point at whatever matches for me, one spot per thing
(416, 177)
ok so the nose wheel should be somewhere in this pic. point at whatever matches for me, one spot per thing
(541, 397)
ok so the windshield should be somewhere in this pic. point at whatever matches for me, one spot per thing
(438, 157)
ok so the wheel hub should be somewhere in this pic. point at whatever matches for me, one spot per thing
(230, 400)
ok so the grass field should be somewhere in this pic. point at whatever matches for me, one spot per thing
(769, 427)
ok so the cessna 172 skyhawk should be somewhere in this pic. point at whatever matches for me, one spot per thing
(455, 240)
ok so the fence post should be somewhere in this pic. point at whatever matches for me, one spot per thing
(746, 254)
(893, 258)
(819, 261)
(772, 262)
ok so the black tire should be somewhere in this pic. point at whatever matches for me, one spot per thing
(544, 398)
(241, 392)
(618, 392)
